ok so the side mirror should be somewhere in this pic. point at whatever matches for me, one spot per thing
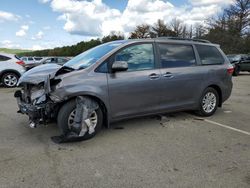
(119, 66)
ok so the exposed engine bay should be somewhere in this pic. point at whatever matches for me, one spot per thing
(36, 97)
(36, 102)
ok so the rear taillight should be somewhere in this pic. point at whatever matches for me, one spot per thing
(230, 69)
(20, 63)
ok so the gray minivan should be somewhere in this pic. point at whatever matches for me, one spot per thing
(126, 79)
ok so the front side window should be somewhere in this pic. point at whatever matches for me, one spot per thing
(176, 55)
(209, 55)
(138, 57)
(4, 58)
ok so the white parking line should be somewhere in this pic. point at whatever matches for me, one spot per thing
(227, 127)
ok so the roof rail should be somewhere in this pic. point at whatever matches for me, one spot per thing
(187, 39)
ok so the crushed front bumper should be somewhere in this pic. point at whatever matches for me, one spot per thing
(38, 113)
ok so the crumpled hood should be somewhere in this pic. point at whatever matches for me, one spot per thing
(39, 74)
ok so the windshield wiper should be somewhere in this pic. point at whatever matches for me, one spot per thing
(68, 68)
(80, 68)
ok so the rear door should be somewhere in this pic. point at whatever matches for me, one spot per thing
(181, 79)
(135, 91)
(214, 67)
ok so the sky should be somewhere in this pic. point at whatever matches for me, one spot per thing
(42, 24)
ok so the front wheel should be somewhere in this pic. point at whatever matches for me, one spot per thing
(66, 115)
(208, 103)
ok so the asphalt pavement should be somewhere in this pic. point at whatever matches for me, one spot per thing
(171, 150)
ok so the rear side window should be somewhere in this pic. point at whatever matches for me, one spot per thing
(209, 55)
(176, 55)
(4, 58)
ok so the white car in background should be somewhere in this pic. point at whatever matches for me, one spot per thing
(31, 60)
(11, 68)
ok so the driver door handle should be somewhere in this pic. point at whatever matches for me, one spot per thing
(154, 76)
(168, 75)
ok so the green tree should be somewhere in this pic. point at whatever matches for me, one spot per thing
(113, 36)
(141, 31)
(160, 29)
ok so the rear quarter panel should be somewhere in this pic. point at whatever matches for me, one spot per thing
(11, 65)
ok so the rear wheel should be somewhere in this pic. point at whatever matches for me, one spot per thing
(9, 79)
(208, 102)
(66, 115)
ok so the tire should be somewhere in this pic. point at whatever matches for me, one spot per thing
(64, 115)
(9, 79)
(236, 71)
(213, 103)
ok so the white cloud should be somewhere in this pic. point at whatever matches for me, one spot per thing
(210, 2)
(94, 18)
(22, 31)
(8, 44)
(44, 1)
(84, 17)
(37, 47)
(7, 16)
(46, 27)
(25, 27)
(38, 36)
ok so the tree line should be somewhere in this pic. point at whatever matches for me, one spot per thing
(231, 30)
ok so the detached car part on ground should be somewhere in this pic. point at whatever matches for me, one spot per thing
(125, 79)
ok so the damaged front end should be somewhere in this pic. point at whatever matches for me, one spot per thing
(34, 101)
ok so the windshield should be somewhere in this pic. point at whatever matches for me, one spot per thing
(91, 56)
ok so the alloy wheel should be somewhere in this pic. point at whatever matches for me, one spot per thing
(90, 122)
(209, 102)
(10, 80)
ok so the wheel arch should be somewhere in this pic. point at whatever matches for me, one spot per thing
(11, 71)
(218, 89)
(100, 103)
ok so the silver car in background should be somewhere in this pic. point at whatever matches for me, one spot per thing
(11, 69)
(48, 60)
